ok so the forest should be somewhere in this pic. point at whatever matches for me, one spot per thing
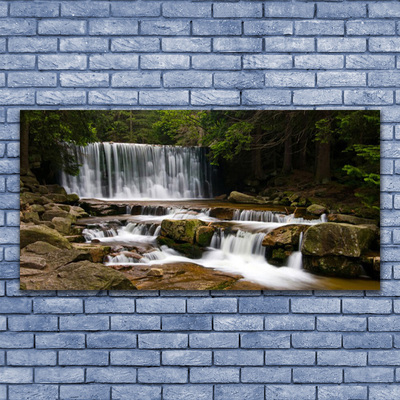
(254, 149)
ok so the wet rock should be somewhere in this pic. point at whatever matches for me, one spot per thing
(96, 253)
(38, 208)
(57, 198)
(187, 249)
(316, 209)
(156, 272)
(222, 213)
(351, 219)
(29, 216)
(237, 197)
(57, 189)
(221, 197)
(372, 266)
(336, 266)
(34, 233)
(287, 235)
(62, 225)
(181, 230)
(72, 198)
(56, 213)
(204, 235)
(337, 239)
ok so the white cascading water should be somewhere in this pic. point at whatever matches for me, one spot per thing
(141, 171)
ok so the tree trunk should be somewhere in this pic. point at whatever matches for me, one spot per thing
(323, 167)
(24, 127)
(302, 155)
(257, 156)
(287, 156)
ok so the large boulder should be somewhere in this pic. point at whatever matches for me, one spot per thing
(351, 219)
(54, 213)
(238, 197)
(204, 235)
(336, 266)
(287, 235)
(57, 189)
(34, 233)
(187, 249)
(181, 230)
(222, 213)
(337, 239)
(316, 209)
(62, 225)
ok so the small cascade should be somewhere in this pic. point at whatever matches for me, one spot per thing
(295, 260)
(141, 171)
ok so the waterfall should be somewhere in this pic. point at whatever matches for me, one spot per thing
(141, 171)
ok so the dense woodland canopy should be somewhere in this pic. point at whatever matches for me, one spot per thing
(255, 145)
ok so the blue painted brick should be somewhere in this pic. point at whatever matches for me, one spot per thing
(108, 96)
(319, 61)
(314, 375)
(95, 392)
(241, 323)
(57, 306)
(110, 375)
(341, 323)
(341, 45)
(289, 323)
(17, 61)
(113, 61)
(3, 9)
(85, 9)
(37, 9)
(237, 10)
(102, 26)
(317, 27)
(100, 306)
(290, 392)
(381, 392)
(346, 10)
(83, 357)
(371, 61)
(16, 340)
(335, 392)
(61, 27)
(187, 323)
(57, 97)
(12, 149)
(382, 10)
(367, 341)
(384, 78)
(264, 375)
(368, 374)
(217, 27)
(214, 340)
(135, 357)
(61, 61)
(16, 375)
(289, 44)
(164, 61)
(212, 305)
(138, 9)
(214, 375)
(17, 26)
(235, 392)
(3, 322)
(312, 340)
(135, 322)
(84, 322)
(261, 340)
(387, 44)
(83, 79)
(366, 306)
(288, 10)
(384, 357)
(342, 78)
(186, 357)
(269, 27)
(342, 358)
(32, 79)
(32, 44)
(368, 97)
(263, 305)
(32, 391)
(365, 27)
(31, 357)
(185, 79)
(326, 306)
(259, 96)
(15, 305)
(135, 44)
(193, 45)
(290, 357)
(111, 340)
(165, 28)
(60, 375)
(155, 98)
(179, 392)
(162, 375)
(215, 62)
(238, 357)
(32, 323)
(186, 10)
(87, 45)
(386, 323)
(237, 45)
(13, 183)
(163, 340)
(211, 97)
(136, 79)
(136, 392)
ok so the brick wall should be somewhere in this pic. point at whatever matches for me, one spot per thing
(199, 345)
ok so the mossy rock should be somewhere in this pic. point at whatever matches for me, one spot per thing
(187, 249)
(336, 266)
(351, 219)
(337, 239)
(62, 225)
(72, 198)
(35, 233)
(204, 235)
(181, 230)
(287, 235)
(316, 209)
